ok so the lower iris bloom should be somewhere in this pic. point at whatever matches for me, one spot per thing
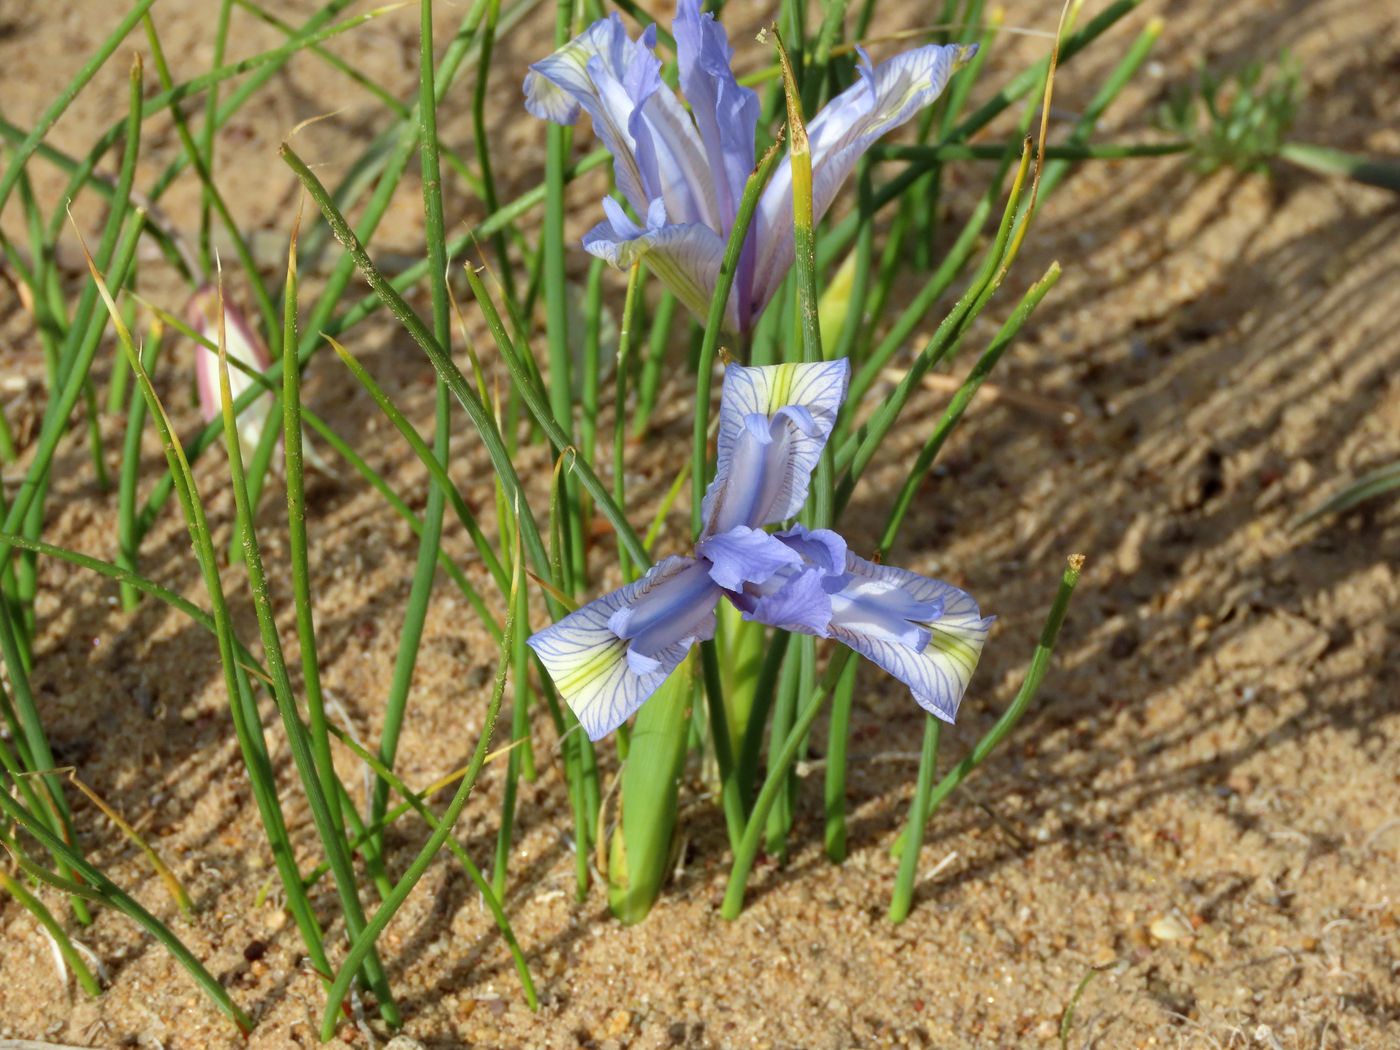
(683, 174)
(608, 657)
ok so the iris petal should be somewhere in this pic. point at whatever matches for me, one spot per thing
(934, 658)
(685, 257)
(588, 73)
(823, 548)
(761, 483)
(725, 113)
(743, 555)
(801, 604)
(670, 156)
(881, 100)
(603, 677)
(657, 153)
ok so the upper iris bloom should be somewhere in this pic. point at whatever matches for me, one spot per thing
(684, 177)
(614, 652)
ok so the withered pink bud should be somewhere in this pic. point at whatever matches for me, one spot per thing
(243, 344)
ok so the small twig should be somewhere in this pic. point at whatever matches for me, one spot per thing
(940, 867)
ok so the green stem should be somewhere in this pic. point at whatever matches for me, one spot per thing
(1030, 685)
(299, 558)
(1322, 160)
(127, 539)
(774, 785)
(903, 895)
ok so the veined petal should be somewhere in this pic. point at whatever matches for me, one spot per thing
(933, 655)
(743, 555)
(725, 113)
(774, 422)
(605, 677)
(685, 256)
(881, 100)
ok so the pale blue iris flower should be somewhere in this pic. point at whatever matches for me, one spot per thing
(683, 173)
(614, 652)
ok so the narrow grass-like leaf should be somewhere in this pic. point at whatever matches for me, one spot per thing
(1368, 486)
(332, 841)
(246, 724)
(489, 895)
(430, 540)
(162, 870)
(297, 546)
(364, 942)
(32, 904)
(100, 888)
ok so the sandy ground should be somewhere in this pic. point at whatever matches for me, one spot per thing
(1201, 810)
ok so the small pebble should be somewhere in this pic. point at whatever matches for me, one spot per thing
(1170, 928)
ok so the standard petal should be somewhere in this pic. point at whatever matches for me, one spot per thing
(657, 153)
(604, 677)
(881, 100)
(670, 156)
(725, 113)
(685, 257)
(926, 633)
(774, 422)
(743, 555)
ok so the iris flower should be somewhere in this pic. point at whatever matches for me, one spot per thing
(610, 655)
(683, 174)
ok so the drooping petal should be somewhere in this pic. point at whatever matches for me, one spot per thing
(604, 676)
(725, 113)
(743, 555)
(881, 100)
(685, 257)
(774, 422)
(657, 154)
(927, 633)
